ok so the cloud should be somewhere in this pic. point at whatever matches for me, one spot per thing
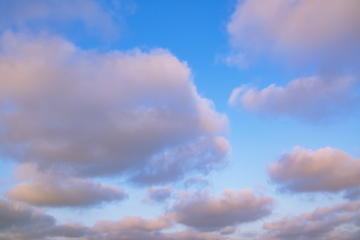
(309, 99)
(128, 222)
(205, 213)
(324, 32)
(55, 190)
(50, 14)
(130, 114)
(18, 221)
(199, 181)
(323, 170)
(158, 195)
(323, 223)
(156, 235)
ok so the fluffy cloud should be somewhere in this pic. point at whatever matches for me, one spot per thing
(89, 114)
(18, 221)
(326, 170)
(52, 189)
(158, 195)
(323, 223)
(325, 32)
(309, 99)
(205, 213)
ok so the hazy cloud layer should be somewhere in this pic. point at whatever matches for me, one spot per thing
(158, 194)
(128, 222)
(324, 32)
(42, 14)
(18, 221)
(199, 182)
(56, 190)
(88, 113)
(324, 170)
(205, 213)
(323, 223)
(309, 99)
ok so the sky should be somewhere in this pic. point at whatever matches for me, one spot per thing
(190, 120)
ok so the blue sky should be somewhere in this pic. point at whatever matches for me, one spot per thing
(165, 119)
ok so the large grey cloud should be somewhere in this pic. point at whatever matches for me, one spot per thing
(321, 32)
(324, 170)
(18, 221)
(56, 190)
(309, 99)
(205, 213)
(338, 222)
(99, 114)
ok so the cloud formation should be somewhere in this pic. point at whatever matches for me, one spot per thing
(56, 190)
(324, 32)
(308, 99)
(205, 213)
(338, 222)
(323, 170)
(158, 195)
(88, 113)
(18, 221)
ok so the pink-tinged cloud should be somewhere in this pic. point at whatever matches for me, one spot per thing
(55, 190)
(205, 213)
(18, 221)
(323, 170)
(307, 99)
(129, 222)
(158, 194)
(130, 114)
(324, 32)
(338, 222)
